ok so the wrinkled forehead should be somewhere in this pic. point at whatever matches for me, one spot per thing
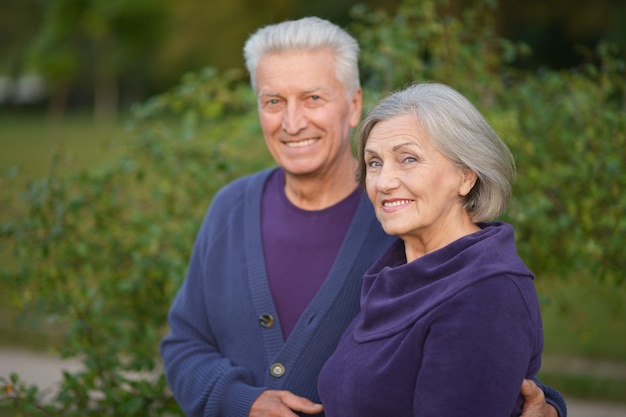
(297, 70)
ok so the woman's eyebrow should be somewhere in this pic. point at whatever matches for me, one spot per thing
(405, 144)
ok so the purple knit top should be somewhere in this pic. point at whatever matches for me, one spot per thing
(451, 334)
(288, 254)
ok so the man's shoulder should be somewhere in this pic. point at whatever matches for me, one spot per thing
(229, 203)
(248, 186)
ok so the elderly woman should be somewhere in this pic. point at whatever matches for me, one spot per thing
(449, 322)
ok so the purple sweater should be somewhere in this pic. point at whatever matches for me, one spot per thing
(450, 334)
(300, 243)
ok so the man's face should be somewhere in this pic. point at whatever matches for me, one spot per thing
(304, 111)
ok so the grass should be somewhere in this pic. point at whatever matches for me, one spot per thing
(582, 317)
(30, 332)
(28, 142)
(586, 387)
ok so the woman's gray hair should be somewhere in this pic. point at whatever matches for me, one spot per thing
(306, 34)
(461, 133)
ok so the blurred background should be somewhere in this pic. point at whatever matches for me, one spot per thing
(60, 56)
(113, 120)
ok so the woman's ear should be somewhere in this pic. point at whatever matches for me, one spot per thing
(468, 180)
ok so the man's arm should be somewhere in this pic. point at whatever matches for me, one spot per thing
(203, 379)
(200, 377)
(537, 405)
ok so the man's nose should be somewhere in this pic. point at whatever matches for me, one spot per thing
(294, 119)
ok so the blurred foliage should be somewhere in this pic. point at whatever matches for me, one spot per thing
(78, 43)
(420, 43)
(102, 252)
(569, 138)
(205, 33)
(19, 22)
(103, 38)
(556, 28)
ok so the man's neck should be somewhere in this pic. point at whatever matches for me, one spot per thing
(322, 190)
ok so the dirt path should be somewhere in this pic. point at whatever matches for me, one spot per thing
(46, 371)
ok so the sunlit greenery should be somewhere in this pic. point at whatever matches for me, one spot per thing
(99, 250)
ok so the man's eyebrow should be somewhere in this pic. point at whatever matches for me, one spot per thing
(316, 89)
(313, 89)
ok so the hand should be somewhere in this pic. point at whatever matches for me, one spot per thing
(535, 404)
(273, 403)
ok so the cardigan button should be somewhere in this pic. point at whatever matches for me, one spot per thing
(266, 320)
(277, 370)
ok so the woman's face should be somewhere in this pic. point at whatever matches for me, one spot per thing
(417, 192)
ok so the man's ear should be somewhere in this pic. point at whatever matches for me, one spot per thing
(356, 107)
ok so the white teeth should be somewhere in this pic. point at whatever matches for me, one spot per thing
(301, 143)
(395, 203)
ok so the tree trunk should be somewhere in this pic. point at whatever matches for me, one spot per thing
(106, 94)
(58, 103)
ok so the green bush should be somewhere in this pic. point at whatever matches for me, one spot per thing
(569, 141)
(101, 253)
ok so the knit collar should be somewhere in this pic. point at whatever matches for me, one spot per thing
(395, 294)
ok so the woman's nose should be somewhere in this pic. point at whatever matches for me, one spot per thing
(387, 178)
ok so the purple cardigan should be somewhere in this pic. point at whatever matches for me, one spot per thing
(450, 334)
